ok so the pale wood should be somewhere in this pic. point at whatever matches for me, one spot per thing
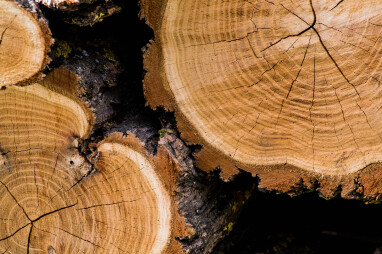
(123, 208)
(266, 83)
(24, 42)
(56, 200)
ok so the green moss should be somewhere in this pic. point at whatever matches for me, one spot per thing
(247, 194)
(164, 131)
(98, 17)
(373, 202)
(234, 207)
(75, 21)
(229, 227)
(110, 56)
(63, 49)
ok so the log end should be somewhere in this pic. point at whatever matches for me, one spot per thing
(288, 104)
(57, 199)
(25, 41)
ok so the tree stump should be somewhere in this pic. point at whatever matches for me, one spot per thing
(288, 91)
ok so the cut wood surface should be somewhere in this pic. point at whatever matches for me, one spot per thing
(267, 85)
(24, 42)
(57, 200)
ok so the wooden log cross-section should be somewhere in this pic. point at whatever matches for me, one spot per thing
(287, 90)
(24, 43)
(54, 198)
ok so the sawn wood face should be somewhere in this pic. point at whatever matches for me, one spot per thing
(272, 82)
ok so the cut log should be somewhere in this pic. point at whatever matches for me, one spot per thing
(24, 43)
(287, 91)
(39, 131)
(57, 200)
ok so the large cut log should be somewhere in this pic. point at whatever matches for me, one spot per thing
(289, 91)
(57, 200)
(56, 196)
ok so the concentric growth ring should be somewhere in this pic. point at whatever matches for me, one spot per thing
(279, 82)
(24, 43)
(53, 200)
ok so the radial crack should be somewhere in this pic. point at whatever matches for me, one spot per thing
(319, 37)
(355, 46)
(54, 211)
(336, 5)
(327, 117)
(115, 203)
(14, 198)
(29, 238)
(9, 236)
(298, 74)
(367, 120)
(334, 62)
(300, 33)
(85, 240)
(82, 177)
(331, 27)
(2, 35)
(294, 14)
(374, 24)
(311, 106)
(350, 128)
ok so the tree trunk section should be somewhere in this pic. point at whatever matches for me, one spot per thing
(289, 92)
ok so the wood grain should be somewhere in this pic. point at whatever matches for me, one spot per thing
(56, 199)
(272, 82)
(24, 43)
